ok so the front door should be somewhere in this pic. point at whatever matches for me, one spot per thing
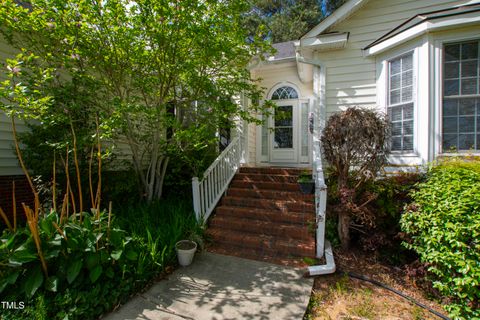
(284, 133)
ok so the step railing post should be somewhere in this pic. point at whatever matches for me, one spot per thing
(196, 198)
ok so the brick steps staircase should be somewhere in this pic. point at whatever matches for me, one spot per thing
(264, 216)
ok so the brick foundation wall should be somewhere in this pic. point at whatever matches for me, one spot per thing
(23, 193)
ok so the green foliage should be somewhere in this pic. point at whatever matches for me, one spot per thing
(152, 72)
(159, 225)
(305, 177)
(285, 20)
(91, 267)
(443, 223)
(392, 193)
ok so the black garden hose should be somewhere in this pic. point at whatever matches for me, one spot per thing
(403, 295)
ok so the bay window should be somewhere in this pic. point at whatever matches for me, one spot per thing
(401, 102)
(461, 97)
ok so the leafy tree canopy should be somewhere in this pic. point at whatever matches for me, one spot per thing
(160, 74)
(288, 19)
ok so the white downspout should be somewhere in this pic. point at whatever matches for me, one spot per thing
(323, 246)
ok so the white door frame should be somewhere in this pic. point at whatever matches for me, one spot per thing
(285, 155)
(264, 158)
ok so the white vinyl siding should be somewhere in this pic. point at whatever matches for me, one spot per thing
(400, 105)
(461, 97)
(351, 78)
(8, 161)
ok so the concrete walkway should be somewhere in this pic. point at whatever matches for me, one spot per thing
(219, 287)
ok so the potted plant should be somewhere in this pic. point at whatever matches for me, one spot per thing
(185, 251)
(307, 184)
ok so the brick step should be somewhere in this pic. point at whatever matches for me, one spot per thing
(275, 171)
(253, 254)
(265, 185)
(263, 244)
(270, 194)
(281, 230)
(269, 204)
(300, 218)
(258, 177)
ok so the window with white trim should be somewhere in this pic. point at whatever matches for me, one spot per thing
(461, 97)
(400, 102)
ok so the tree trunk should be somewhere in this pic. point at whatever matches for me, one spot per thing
(344, 229)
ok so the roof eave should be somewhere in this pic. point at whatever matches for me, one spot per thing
(421, 29)
(324, 42)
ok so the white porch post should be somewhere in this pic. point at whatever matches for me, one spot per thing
(196, 197)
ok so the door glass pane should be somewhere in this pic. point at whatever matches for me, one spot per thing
(283, 116)
(283, 138)
(283, 121)
(265, 137)
(304, 110)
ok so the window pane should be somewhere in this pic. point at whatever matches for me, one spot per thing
(395, 114)
(395, 82)
(407, 78)
(450, 125)
(408, 111)
(466, 124)
(400, 110)
(285, 93)
(450, 107)
(408, 143)
(466, 141)
(469, 68)
(466, 107)
(305, 128)
(451, 87)
(283, 116)
(449, 142)
(407, 62)
(394, 96)
(407, 94)
(461, 117)
(470, 50)
(452, 52)
(452, 70)
(469, 86)
(397, 143)
(397, 129)
(283, 138)
(265, 137)
(395, 67)
(408, 127)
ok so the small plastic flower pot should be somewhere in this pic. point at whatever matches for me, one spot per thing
(185, 251)
(307, 187)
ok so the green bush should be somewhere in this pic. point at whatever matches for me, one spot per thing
(160, 225)
(91, 268)
(443, 224)
(381, 237)
(86, 260)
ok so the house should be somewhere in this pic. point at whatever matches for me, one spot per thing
(416, 60)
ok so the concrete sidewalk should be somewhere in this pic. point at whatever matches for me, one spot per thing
(218, 287)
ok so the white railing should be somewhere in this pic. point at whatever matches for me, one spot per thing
(208, 190)
(320, 205)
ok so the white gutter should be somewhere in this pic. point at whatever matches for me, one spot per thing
(323, 246)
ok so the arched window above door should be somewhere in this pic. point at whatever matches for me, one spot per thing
(285, 92)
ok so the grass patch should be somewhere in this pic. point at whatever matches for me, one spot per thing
(159, 225)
